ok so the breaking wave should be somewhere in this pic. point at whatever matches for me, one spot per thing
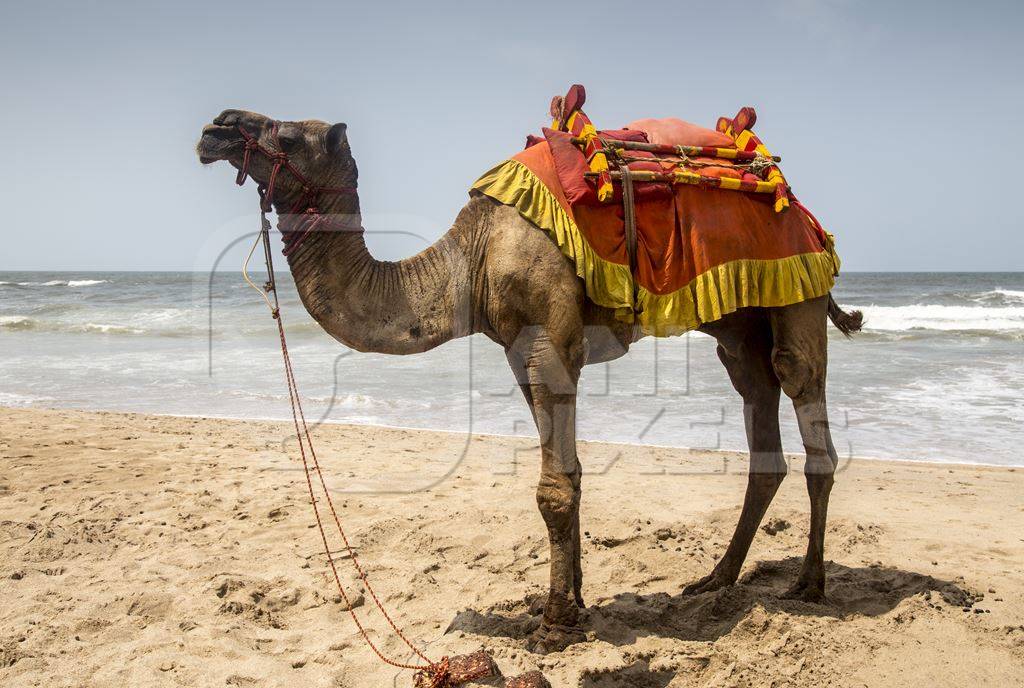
(57, 283)
(1010, 297)
(16, 322)
(945, 318)
(106, 329)
(161, 323)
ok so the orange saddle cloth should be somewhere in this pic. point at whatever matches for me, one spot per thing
(701, 252)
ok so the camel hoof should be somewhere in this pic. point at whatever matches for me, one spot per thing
(814, 594)
(709, 583)
(554, 638)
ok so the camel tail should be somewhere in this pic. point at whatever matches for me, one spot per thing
(847, 323)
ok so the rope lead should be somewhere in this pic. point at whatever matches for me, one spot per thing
(438, 674)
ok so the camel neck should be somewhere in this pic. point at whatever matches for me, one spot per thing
(400, 307)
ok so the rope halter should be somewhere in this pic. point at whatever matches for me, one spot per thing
(306, 206)
(760, 165)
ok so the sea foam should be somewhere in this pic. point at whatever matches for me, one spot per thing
(57, 283)
(946, 318)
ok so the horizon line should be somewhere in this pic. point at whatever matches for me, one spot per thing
(205, 272)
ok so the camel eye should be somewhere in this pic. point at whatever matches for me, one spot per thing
(289, 138)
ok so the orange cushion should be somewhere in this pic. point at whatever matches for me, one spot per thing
(675, 132)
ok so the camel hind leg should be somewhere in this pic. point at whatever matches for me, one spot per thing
(745, 349)
(800, 358)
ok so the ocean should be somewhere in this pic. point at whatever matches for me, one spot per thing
(937, 375)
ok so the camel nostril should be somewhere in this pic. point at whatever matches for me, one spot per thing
(220, 133)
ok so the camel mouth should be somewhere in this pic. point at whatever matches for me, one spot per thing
(218, 142)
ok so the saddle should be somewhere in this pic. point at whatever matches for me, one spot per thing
(651, 218)
(668, 150)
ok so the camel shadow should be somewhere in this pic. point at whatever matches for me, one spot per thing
(620, 620)
(637, 675)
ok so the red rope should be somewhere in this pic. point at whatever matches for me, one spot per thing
(812, 218)
(437, 673)
(305, 203)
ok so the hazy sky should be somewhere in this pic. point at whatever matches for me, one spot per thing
(899, 123)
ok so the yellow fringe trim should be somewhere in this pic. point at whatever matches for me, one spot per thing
(737, 284)
(717, 292)
(512, 183)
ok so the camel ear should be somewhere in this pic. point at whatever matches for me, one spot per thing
(336, 137)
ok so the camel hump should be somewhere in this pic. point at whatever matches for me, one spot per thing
(671, 131)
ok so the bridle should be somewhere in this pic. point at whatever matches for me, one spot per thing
(305, 216)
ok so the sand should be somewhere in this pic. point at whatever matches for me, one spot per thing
(158, 551)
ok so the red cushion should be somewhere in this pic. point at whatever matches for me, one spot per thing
(571, 166)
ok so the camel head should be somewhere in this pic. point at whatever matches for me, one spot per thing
(319, 151)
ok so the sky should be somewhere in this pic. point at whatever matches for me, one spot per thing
(898, 123)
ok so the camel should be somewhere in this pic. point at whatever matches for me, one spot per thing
(495, 273)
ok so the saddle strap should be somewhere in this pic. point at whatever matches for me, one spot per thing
(629, 220)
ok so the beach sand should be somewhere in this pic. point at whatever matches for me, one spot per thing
(160, 551)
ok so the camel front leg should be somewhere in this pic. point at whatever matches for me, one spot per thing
(550, 373)
(558, 497)
(577, 557)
